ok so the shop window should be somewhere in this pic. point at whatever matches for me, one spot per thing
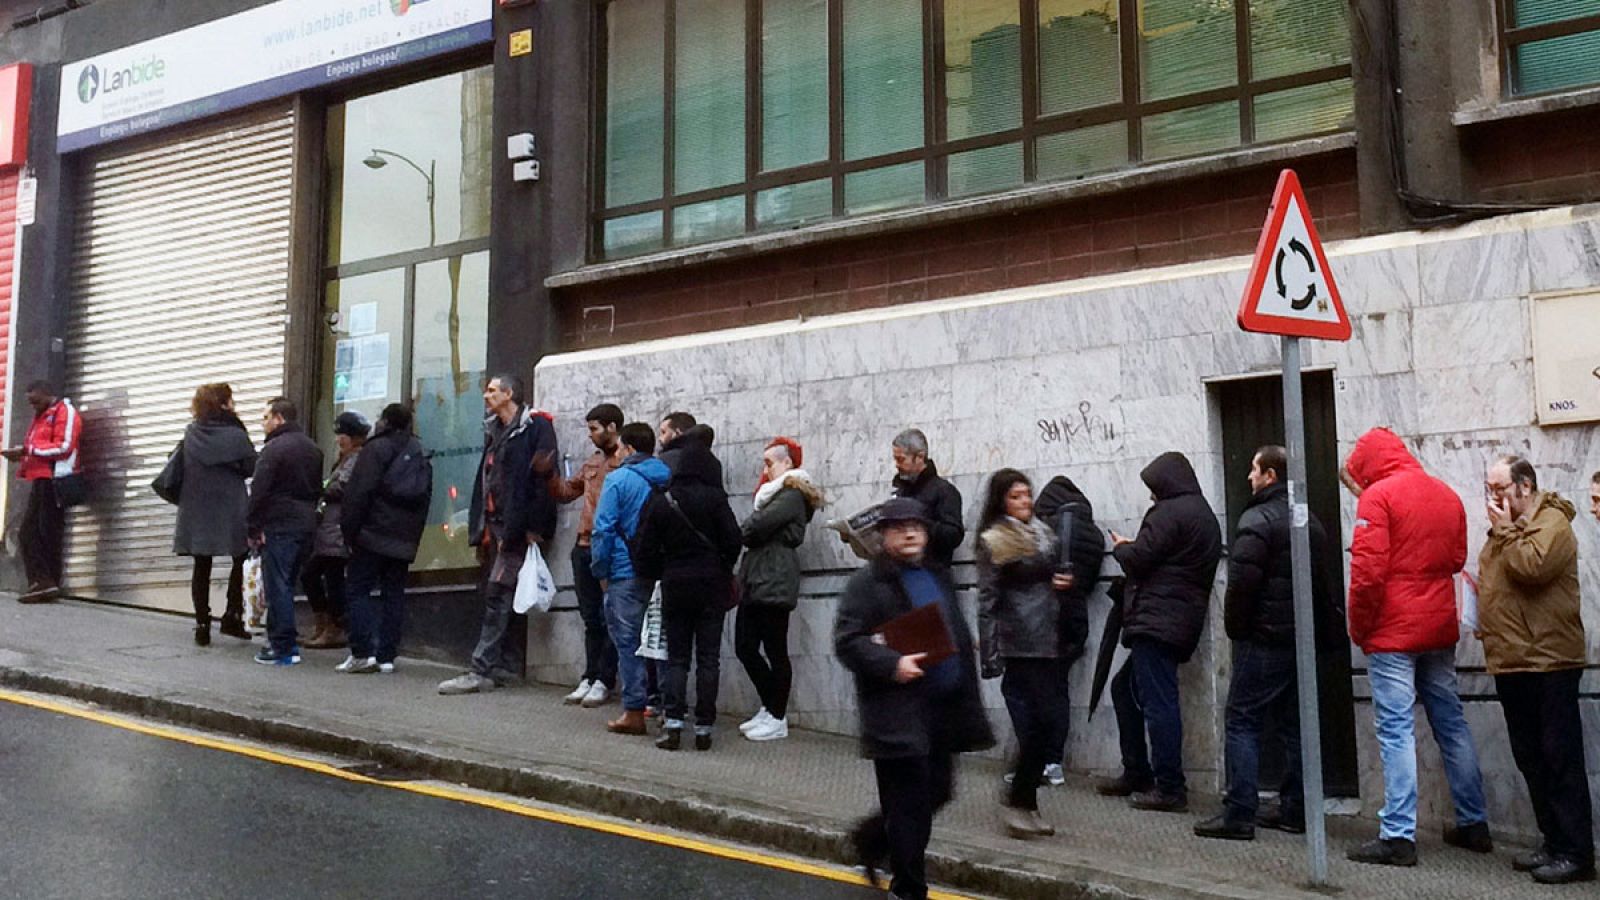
(782, 113)
(407, 282)
(1550, 45)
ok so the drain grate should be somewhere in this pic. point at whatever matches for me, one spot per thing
(380, 772)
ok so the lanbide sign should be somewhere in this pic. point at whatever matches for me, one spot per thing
(1291, 290)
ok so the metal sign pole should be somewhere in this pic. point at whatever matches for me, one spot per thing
(1305, 637)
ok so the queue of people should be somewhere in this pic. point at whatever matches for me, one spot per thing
(659, 548)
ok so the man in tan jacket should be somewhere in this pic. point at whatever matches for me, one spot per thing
(599, 654)
(1533, 642)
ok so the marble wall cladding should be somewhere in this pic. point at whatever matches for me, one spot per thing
(1094, 378)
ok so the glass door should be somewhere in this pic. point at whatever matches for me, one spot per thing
(407, 281)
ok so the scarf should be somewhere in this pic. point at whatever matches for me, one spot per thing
(770, 489)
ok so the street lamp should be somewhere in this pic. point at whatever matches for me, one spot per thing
(375, 160)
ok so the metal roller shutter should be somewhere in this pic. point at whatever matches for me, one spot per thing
(180, 276)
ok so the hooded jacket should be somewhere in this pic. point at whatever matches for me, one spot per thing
(697, 539)
(51, 448)
(521, 503)
(1259, 604)
(1172, 563)
(218, 456)
(616, 517)
(906, 720)
(370, 519)
(1528, 602)
(773, 534)
(1086, 547)
(942, 501)
(287, 483)
(1410, 540)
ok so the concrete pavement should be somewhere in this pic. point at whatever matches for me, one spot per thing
(798, 796)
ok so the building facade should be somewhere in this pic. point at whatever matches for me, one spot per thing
(1022, 225)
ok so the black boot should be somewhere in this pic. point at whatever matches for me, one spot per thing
(202, 635)
(1220, 827)
(1564, 870)
(1124, 785)
(702, 740)
(670, 739)
(1474, 837)
(1385, 852)
(233, 626)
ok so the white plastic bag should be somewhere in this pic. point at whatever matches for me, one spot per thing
(255, 591)
(653, 637)
(536, 588)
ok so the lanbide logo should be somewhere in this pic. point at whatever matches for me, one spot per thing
(88, 83)
(401, 7)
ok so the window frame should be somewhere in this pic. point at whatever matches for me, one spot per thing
(1512, 37)
(936, 150)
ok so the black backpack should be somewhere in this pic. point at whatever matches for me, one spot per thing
(409, 478)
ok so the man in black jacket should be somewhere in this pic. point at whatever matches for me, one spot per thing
(917, 478)
(282, 518)
(511, 508)
(1086, 552)
(384, 512)
(914, 718)
(1258, 611)
(1170, 567)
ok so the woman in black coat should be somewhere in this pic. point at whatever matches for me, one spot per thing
(688, 539)
(914, 718)
(218, 456)
(1020, 598)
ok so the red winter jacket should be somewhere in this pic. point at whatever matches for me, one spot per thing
(1410, 541)
(51, 449)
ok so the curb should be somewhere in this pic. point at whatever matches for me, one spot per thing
(969, 869)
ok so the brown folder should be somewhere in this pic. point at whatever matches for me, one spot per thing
(923, 630)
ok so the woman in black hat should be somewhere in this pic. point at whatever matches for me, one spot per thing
(323, 576)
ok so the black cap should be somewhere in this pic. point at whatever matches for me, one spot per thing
(351, 424)
(902, 509)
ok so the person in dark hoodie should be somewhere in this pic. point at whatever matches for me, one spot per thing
(323, 577)
(384, 513)
(218, 456)
(915, 717)
(1085, 556)
(917, 478)
(1258, 612)
(669, 435)
(511, 508)
(283, 514)
(1170, 566)
(688, 540)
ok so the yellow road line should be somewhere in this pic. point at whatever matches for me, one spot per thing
(444, 792)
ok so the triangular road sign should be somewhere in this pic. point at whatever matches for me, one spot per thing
(1291, 290)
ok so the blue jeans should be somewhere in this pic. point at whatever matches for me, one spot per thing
(625, 602)
(1145, 695)
(380, 638)
(1264, 680)
(1398, 680)
(281, 557)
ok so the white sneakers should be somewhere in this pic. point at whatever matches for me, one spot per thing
(763, 726)
(1054, 776)
(578, 694)
(597, 695)
(360, 665)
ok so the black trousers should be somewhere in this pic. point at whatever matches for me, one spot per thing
(43, 522)
(323, 579)
(599, 654)
(200, 591)
(765, 629)
(692, 616)
(1546, 732)
(911, 791)
(1032, 691)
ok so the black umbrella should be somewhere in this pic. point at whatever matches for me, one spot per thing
(1108, 644)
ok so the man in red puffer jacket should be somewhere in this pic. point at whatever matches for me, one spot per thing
(49, 452)
(1410, 541)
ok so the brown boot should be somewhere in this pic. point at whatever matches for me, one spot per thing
(328, 636)
(630, 722)
(318, 630)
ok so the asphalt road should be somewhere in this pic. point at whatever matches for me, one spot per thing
(88, 810)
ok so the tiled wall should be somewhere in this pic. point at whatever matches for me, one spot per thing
(1441, 353)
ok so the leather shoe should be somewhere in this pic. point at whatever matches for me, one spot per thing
(630, 722)
(1219, 827)
(1123, 785)
(1563, 870)
(1275, 820)
(670, 739)
(1025, 823)
(1533, 859)
(1385, 852)
(233, 628)
(1156, 801)
(1474, 837)
(702, 740)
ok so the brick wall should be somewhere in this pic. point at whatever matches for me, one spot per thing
(1195, 220)
(1553, 158)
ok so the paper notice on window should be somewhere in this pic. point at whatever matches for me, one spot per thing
(1469, 603)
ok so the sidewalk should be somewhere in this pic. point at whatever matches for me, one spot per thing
(798, 796)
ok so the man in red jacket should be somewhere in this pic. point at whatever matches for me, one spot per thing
(49, 452)
(1410, 541)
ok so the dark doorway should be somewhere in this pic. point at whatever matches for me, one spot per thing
(1252, 415)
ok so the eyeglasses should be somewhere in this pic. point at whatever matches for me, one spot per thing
(1497, 489)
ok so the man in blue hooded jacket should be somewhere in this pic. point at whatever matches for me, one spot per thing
(616, 520)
